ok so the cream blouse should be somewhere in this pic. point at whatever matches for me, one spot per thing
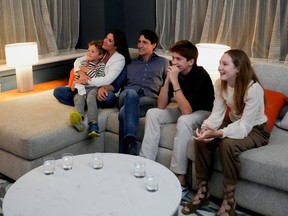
(253, 113)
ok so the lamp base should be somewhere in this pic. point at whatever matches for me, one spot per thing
(24, 78)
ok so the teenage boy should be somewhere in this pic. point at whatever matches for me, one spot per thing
(192, 89)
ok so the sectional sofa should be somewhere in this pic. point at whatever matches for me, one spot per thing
(36, 126)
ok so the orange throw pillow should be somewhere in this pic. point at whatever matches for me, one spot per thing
(275, 101)
(71, 78)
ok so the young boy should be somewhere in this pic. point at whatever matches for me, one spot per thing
(86, 95)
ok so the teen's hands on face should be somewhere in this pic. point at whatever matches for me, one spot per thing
(102, 94)
(172, 73)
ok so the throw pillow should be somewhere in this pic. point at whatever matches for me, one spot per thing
(275, 101)
(71, 78)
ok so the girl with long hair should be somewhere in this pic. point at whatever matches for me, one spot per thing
(239, 92)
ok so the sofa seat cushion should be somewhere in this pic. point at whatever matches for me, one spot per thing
(36, 125)
(113, 125)
(166, 137)
(267, 165)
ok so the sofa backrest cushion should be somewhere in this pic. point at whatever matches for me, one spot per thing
(273, 76)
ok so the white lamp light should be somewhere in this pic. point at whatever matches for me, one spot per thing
(209, 56)
(22, 56)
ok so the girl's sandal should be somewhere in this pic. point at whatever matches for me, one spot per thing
(200, 199)
(228, 205)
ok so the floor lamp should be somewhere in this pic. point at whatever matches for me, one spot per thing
(22, 56)
(209, 55)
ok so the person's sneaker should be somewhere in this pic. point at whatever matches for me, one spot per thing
(133, 149)
(184, 191)
(77, 121)
(93, 130)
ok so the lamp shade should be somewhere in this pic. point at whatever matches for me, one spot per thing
(209, 56)
(21, 54)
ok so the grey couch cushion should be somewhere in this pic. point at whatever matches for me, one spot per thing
(167, 135)
(38, 124)
(167, 130)
(272, 76)
(166, 138)
(113, 125)
(267, 165)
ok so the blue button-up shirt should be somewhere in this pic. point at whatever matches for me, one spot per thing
(145, 78)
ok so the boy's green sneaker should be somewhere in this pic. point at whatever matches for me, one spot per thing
(76, 121)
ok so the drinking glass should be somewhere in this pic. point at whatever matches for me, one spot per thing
(49, 165)
(67, 161)
(97, 160)
(139, 169)
(152, 182)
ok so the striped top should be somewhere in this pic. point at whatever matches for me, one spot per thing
(96, 69)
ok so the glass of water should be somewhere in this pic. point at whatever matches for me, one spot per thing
(49, 165)
(139, 169)
(67, 161)
(152, 182)
(97, 160)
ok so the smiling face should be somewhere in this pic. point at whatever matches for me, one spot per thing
(145, 47)
(109, 43)
(93, 54)
(228, 71)
(182, 63)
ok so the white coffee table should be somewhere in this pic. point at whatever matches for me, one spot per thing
(111, 191)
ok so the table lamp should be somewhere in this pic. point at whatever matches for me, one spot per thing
(22, 56)
(209, 55)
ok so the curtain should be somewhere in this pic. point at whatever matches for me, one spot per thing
(259, 27)
(53, 24)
